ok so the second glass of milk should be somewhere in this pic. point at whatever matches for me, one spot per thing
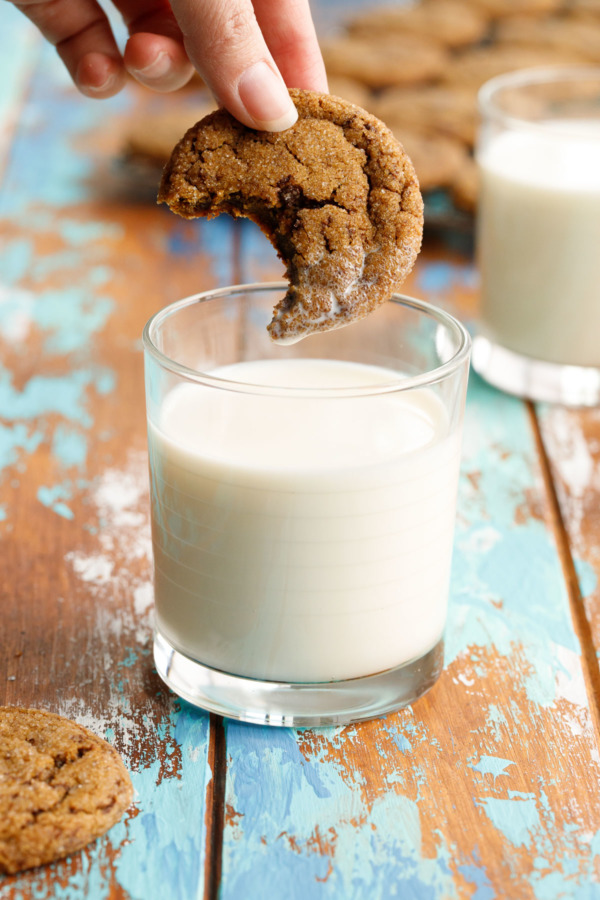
(538, 234)
(303, 505)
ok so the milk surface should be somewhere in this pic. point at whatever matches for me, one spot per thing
(302, 538)
(539, 241)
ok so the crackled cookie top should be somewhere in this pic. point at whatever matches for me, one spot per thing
(336, 194)
(61, 786)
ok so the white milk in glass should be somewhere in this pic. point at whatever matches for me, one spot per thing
(301, 538)
(539, 241)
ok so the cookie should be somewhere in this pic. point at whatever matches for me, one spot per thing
(151, 137)
(474, 67)
(464, 189)
(453, 23)
(435, 109)
(351, 90)
(394, 59)
(336, 194)
(583, 10)
(553, 35)
(498, 9)
(60, 787)
(436, 158)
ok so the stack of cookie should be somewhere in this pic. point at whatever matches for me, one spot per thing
(419, 67)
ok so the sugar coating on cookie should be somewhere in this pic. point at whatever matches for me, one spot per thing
(336, 194)
(61, 787)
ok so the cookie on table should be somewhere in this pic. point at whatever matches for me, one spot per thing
(150, 137)
(473, 67)
(336, 194)
(464, 189)
(452, 23)
(61, 787)
(498, 9)
(583, 10)
(395, 59)
(554, 35)
(434, 109)
(437, 158)
(351, 90)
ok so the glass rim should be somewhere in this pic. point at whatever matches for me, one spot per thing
(401, 383)
(486, 96)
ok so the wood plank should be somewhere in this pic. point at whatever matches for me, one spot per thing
(571, 439)
(82, 266)
(489, 785)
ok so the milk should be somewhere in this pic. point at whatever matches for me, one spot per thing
(298, 538)
(539, 241)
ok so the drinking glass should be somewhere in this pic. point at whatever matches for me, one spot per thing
(538, 234)
(303, 505)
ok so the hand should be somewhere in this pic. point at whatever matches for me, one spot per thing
(247, 51)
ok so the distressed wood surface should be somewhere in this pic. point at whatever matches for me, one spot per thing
(488, 787)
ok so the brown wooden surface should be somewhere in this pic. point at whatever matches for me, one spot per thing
(488, 787)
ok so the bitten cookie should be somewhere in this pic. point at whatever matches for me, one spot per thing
(60, 787)
(336, 195)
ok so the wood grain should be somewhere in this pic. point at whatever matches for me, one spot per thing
(572, 441)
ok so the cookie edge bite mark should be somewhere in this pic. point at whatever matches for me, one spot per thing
(412, 208)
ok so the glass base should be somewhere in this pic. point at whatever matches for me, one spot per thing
(279, 703)
(533, 378)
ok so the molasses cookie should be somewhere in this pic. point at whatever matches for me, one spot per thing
(60, 787)
(498, 9)
(150, 137)
(336, 194)
(465, 186)
(392, 59)
(474, 67)
(452, 23)
(433, 109)
(437, 158)
(554, 35)
(351, 90)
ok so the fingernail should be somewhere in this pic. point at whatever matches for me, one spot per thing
(266, 98)
(107, 85)
(157, 68)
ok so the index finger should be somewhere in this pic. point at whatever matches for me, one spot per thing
(81, 33)
(289, 31)
(227, 47)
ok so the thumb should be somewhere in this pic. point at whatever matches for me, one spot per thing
(226, 45)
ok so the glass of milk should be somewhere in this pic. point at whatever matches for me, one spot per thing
(303, 505)
(538, 234)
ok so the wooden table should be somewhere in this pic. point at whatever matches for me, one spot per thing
(488, 787)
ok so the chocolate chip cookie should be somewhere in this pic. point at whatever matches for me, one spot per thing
(61, 787)
(336, 194)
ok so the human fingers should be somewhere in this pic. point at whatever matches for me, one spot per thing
(154, 54)
(81, 33)
(289, 32)
(226, 45)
